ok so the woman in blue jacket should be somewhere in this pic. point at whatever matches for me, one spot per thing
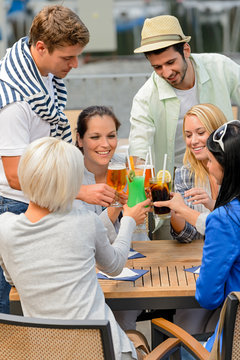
(220, 269)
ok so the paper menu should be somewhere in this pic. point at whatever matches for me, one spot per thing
(126, 275)
(135, 254)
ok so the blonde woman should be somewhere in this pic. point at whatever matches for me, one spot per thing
(50, 252)
(193, 181)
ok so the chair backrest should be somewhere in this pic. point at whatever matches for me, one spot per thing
(231, 329)
(24, 338)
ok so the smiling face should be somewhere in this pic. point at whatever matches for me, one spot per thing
(59, 62)
(214, 168)
(196, 137)
(172, 67)
(99, 142)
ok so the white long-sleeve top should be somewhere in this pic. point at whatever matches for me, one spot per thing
(52, 263)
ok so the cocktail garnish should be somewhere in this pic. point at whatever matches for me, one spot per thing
(131, 175)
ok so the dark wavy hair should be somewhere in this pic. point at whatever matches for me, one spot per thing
(177, 47)
(229, 159)
(87, 113)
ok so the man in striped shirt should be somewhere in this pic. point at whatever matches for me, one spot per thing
(33, 97)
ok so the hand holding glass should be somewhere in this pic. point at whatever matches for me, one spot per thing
(136, 191)
(160, 192)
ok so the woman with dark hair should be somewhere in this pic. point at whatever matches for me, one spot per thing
(97, 128)
(224, 146)
(89, 112)
(99, 193)
(220, 269)
(97, 139)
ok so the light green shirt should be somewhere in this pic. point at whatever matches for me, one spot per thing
(155, 109)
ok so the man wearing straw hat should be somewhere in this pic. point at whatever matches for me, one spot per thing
(179, 81)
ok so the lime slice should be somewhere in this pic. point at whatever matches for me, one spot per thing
(131, 175)
(167, 178)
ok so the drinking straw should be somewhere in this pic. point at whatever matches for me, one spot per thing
(164, 167)
(151, 162)
(132, 162)
(145, 165)
(129, 162)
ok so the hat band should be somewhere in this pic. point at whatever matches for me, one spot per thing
(155, 39)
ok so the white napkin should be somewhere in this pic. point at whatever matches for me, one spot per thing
(197, 271)
(125, 273)
(132, 253)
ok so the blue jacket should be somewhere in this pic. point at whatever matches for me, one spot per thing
(220, 269)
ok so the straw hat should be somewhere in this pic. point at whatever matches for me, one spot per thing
(160, 32)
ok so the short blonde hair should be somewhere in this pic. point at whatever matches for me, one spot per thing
(211, 118)
(50, 173)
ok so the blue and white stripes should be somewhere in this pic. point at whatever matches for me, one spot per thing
(20, 80)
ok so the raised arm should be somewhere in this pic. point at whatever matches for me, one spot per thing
(111, 258)
(180, 208)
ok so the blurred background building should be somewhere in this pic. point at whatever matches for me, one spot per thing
(115, 25)
(108, 71)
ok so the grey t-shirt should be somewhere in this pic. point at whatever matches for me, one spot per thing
(52, 264)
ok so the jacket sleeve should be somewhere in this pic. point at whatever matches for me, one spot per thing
(142, 128)
(219, 254)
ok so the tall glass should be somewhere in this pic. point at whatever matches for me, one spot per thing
(136, 194)
(117, 178)
(136, 191)
(160, 192)
(148, 173)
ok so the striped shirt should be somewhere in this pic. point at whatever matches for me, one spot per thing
(20, 80)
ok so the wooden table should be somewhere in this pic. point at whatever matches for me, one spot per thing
(165, 286)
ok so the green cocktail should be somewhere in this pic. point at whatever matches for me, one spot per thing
(136, 192)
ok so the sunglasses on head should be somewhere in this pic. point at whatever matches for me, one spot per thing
(221, 131)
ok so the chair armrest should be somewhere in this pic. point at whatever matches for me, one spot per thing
(172, 330)
(166, 348)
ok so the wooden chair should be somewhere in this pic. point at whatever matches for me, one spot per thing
(162, 328)
(24, 338)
